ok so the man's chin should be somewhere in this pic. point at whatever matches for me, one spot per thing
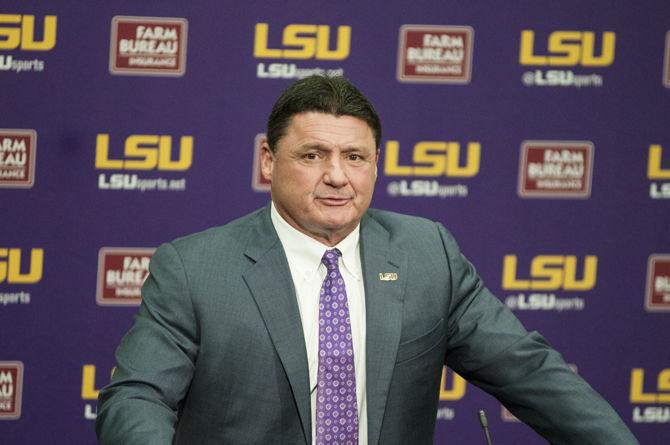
(337, 225)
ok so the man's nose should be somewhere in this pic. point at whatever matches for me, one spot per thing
(335, 174)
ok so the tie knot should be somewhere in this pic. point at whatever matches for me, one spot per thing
(329, 258)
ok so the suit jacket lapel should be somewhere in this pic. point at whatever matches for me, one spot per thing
(269, 281)
(383, 309)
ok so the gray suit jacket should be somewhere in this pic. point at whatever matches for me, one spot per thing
(216, 354)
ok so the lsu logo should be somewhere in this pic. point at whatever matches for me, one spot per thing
(452, 386)
(121, 273)
(10, 266)
(658, 283)
(654, 168)
(568, 48)
(303, 42)
(661, 394)
(11, 390)
(656, 171)
(258, 182)
(551, 272)
(88, 385)
(145, 152)
(433, 159)
(658, 395)
(89, 392)
(17, 158)
(18, 32)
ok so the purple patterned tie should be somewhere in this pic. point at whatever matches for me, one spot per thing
(336, 407)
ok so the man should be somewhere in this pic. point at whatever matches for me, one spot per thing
(318, 320)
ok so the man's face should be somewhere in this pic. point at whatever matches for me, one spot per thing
(323, 174)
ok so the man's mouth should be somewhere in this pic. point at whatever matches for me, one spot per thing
(334, 200)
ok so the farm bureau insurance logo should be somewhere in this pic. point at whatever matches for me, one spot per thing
(657, 296)
(17, 158)
(13, 272)
(299, 42)
(11, 390)
(149, 46)
(654, 395)
(656, 172)
(573, 50)
(258, 182)
(121, 273)
(430, 160)
(555, 169)
(17, 34)
(440, 54)
(143, 152)
(549, 274)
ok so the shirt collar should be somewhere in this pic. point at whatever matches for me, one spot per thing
(304, 252)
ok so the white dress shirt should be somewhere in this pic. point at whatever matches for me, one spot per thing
(304, 259)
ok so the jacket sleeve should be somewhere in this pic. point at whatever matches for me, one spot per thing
(489, 347)
(155, 360)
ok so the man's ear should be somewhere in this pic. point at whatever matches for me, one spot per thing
(376, 161)
(267, 161)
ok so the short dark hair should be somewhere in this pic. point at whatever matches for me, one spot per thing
(326, 94)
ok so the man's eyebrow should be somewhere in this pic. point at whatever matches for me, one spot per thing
(354, 148)
(321, 147)
(313, 146)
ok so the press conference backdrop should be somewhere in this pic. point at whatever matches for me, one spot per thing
(536, 131)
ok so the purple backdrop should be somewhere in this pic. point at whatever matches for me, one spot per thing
(536, 132)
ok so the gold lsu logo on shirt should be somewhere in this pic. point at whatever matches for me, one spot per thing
(568, 48)
(303, 42)
(18, 32)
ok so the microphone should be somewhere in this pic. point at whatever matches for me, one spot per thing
(485, 425)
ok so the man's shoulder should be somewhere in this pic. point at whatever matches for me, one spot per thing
(409, 230)
(235, 232)
(393, 221)
(421, 238)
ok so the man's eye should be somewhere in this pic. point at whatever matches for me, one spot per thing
(354, 157)
(311, 156)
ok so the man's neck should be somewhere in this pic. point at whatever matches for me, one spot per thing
(327, 238)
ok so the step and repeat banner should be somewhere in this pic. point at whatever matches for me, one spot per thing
(538, 132)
